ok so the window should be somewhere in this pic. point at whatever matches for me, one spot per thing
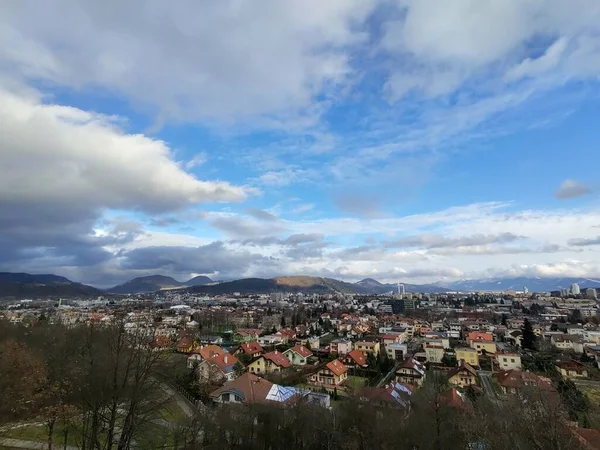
(512, 360)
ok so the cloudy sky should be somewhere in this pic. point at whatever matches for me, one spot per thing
(419, 140)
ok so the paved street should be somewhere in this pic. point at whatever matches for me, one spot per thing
(488, 388)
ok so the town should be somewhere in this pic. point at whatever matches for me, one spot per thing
(290, 349)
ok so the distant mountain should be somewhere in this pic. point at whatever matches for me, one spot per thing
(25, 285)
(198, 281)
(375, 287)
(142, 285)
(278, 284)
(519, 283)
(155, 283)
(306, 284)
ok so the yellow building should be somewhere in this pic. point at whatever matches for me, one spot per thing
(468, 355)
(367, 347)
(463, 376)
(481, 346)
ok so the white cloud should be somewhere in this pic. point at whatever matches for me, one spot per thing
(196, 161)
(441, 45)
(534, 67)
(53, 153)
(190, 59)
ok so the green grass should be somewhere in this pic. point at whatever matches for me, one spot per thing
(40, 434)
(356, 383)
(172, 412)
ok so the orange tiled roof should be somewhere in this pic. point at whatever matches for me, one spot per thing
(358, 357)
(302, 351)
(337, 367)
(278, 358)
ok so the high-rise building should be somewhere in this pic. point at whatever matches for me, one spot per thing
(564, 292)
(591, 293)
(575, 289)
(525, 290)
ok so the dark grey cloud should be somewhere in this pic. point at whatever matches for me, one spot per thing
(580, 242)
(261, 214)
(359, 204)
(570, 189)
(292, 240)
(242, 227)
(436, 241)
(215, 257)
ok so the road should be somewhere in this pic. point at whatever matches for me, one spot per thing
(587, 383)
(18, 443)
(486, 384)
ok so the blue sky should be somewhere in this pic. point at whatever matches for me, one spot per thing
(402, 140)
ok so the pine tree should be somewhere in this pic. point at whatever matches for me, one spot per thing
(528, 340)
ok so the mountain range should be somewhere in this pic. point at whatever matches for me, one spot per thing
(23, 285)
(154, 283)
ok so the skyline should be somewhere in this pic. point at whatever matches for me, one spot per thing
(397, 140)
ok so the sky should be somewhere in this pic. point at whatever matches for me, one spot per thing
(415, 141)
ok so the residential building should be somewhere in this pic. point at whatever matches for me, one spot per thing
(367, 347)
(392, 338)
(488, 347)
(251, 349)
(515, 381)
(508, 361)
(246, 335)
(478, 336)
(298, 355)
(575, 290)
(186, 344)
(334, 373)
(270, 340)
(463, 376)
(411, 372)
(272, 362)
(220, 367)
(390, 395)
(249, 389)
(468, 355)
(571, 369)
(340, 346)
(355, 358)
(567, 343)
(434, 353)
(396, 351)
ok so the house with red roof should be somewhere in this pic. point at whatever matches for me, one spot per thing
(411, 372)
(395, 395)
(219, 367)
(252, 349)
(287, 335)
(515, 381)
(272, 362)
(334, 373)
(355, 358)
(571, 369)
(186, 344)
(298, 355)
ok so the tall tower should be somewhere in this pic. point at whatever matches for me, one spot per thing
(401, 289)
(575, 289)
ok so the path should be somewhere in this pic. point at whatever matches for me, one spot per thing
(185, 405)
(389, 375)
(18, 443)
(488, 388)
